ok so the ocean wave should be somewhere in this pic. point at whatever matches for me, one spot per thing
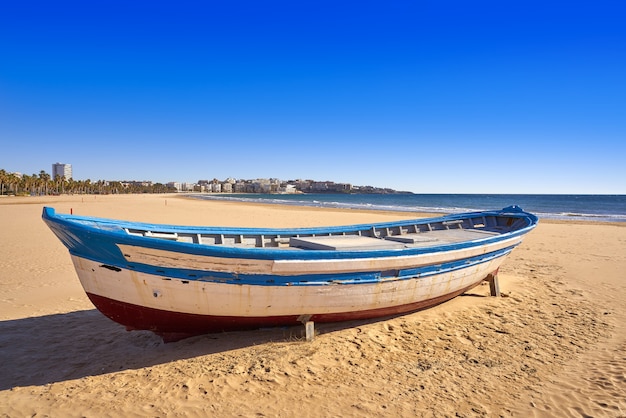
(403, 204)
(341, 205)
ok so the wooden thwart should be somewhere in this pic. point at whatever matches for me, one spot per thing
(343, 243)
(413, 238)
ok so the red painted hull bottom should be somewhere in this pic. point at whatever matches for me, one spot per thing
(174, 326)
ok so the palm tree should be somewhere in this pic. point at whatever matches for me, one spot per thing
(3, 179)
(14, 181)
(27, 183)
(60, 182)
(44, 179)
(35, 184)
(71, 185)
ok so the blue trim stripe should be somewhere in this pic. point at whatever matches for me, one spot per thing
(312, 279)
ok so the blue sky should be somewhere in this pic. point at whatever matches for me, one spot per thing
(426, 96)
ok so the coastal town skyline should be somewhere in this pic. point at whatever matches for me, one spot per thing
(64, 182)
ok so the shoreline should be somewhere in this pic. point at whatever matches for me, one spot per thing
(81, 199)
(401, 214)
(553, 343)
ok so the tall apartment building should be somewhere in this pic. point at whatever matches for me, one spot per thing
(62, 170)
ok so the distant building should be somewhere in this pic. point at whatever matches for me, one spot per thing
(187, 187)
(62, 170)
(175, 184)
(289, 189)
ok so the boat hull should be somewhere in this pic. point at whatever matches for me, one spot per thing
(175, 309)
(181, 281)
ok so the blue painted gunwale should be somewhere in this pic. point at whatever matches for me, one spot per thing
(96, 239)
(90, 226)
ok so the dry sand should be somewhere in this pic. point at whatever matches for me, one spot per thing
(554, 345)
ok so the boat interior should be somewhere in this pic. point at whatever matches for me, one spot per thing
(381, 236)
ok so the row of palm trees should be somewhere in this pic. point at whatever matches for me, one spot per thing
(44, 184)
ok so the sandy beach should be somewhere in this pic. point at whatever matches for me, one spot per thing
(554, 344)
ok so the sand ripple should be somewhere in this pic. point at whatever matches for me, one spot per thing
(553, 346)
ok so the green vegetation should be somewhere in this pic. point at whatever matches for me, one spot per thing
(42, 184)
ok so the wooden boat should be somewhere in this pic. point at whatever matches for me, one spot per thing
(180, 281)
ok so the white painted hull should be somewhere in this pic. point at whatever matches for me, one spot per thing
(217, 299)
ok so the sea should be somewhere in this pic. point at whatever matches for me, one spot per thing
(600, 208)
